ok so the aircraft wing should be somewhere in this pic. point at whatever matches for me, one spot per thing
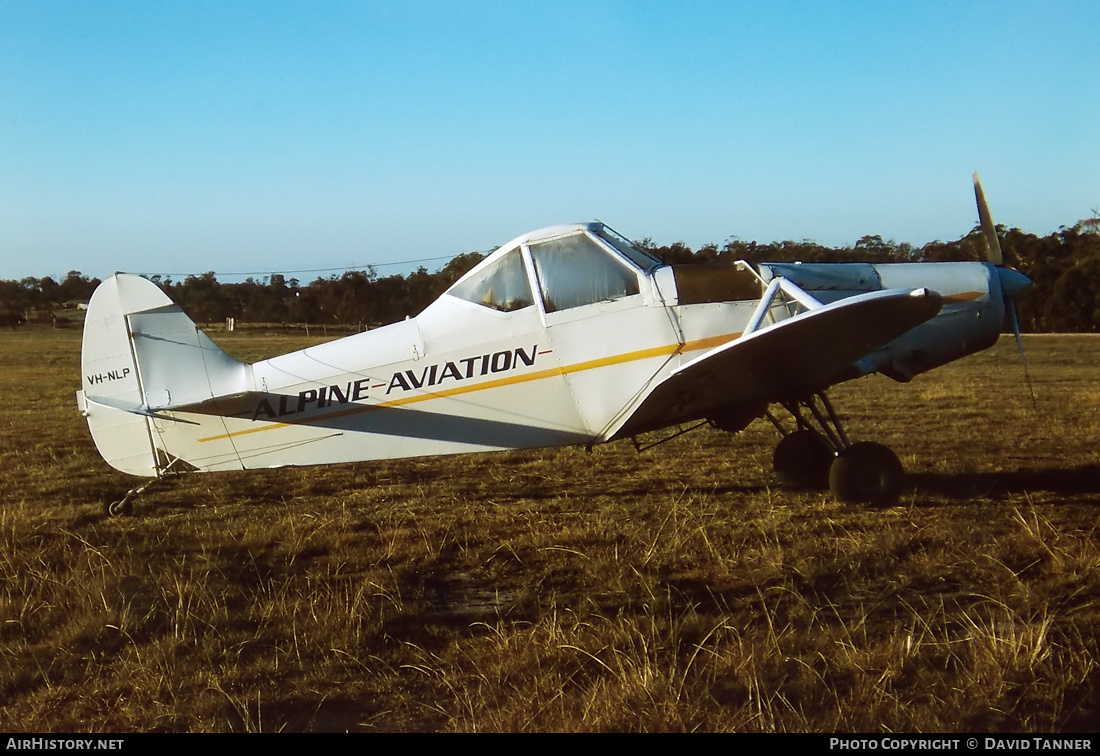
(797, 356)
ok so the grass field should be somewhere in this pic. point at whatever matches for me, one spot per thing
(678, 589)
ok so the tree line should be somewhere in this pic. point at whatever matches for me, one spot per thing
(1064, 268)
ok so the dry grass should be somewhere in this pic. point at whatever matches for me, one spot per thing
(559, 590)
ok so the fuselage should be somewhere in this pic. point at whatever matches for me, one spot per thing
(552, 340)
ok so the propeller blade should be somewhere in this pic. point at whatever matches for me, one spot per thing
(1012, 282)
(1020, 346)
(993, 253)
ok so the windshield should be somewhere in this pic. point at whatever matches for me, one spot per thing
(575, 271)
(638, 256)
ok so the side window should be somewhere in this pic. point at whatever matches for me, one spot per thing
(502, 286)
(577, 271)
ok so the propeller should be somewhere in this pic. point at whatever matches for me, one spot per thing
(1012, 282)
(992, 241)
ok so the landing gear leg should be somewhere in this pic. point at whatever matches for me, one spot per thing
(125, 505)
(816, 457)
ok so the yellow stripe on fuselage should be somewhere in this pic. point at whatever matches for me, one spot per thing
(965, 296)
(537, 375)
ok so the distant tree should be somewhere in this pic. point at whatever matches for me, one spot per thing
(13, 303)
(420, 291)
(875, 250)
(1075, 304)
(76, 288)
(677, 253)
(47, 288)
(707, 253)
(456, 269)
(736, 249)
(353, 296)
(201, 296)
(1063, 268)
(30, 297)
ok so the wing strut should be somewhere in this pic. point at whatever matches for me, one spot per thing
(764, 307)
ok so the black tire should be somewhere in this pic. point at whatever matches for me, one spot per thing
(121, 508)
(803, 460)
(867, 473)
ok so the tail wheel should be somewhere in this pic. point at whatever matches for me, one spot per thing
(866, 473)
(121, 508)
(803, 459)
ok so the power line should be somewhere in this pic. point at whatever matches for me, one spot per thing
(304, 270)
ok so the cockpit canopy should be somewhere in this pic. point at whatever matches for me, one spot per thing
(569, 266)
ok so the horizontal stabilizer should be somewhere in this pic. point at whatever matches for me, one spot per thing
(133, 409)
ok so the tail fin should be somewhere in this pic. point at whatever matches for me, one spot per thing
(143, 356)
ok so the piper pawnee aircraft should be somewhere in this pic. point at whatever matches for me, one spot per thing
(566, 335)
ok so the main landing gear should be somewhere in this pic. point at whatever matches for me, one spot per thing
(809, 457)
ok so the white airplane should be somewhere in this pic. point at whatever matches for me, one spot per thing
(566, 335)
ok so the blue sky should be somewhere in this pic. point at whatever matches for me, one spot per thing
(179, 137)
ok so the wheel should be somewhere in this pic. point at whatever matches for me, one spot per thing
(803, 459)
(120, 508)
(866, 473)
